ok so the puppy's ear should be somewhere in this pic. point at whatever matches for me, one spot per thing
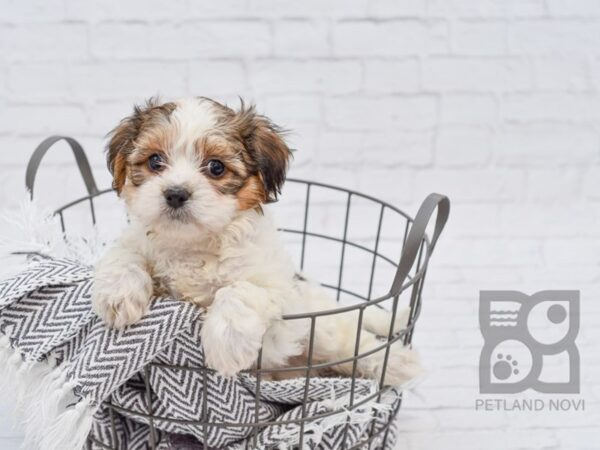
(265, 144)
(123, 136)
(119, 147)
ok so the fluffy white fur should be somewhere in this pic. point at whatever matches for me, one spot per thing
(231, 262)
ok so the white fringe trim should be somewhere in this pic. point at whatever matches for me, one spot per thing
(362, 415)
(52, 417)
(314, 430)
(31, 228)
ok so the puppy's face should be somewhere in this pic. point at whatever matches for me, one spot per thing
(195, 163)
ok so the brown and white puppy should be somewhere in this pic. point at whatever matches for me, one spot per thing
(195, 175)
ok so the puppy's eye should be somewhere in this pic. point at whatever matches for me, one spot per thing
(216, 168)
(156, 162)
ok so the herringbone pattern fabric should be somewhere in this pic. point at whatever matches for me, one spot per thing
(46, 313)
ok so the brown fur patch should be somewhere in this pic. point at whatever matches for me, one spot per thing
(216, 147)
(252, 194)
(124, 136)
(118, 163)
(138, 173)
(265, 153)
(271, 154)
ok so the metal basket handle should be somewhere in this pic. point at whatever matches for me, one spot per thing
(417, 233)
(80, 158)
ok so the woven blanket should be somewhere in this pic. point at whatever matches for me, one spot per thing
(78, 384)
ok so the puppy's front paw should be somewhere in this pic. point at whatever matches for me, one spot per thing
(232, 332)
(121, 296)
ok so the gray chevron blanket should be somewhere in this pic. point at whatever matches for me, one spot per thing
(78, 384)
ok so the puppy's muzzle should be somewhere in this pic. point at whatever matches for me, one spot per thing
(176, 197)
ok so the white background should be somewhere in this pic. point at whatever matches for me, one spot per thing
(494, 103)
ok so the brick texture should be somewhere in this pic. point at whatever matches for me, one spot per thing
(494, 103)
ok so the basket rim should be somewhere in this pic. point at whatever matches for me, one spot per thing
(342, 309)
(417, 248)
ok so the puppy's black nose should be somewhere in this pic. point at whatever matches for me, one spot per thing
(176, 197)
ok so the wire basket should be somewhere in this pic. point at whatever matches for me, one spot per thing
(403, 279)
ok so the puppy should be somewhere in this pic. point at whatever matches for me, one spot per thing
(194, 175)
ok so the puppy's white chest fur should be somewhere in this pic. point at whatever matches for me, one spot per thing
(192, 275)
(193, 268)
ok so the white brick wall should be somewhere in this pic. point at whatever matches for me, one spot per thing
(492, 102)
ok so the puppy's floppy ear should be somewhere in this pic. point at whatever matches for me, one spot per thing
(119, 147)
(265, 144)
(123, 136)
